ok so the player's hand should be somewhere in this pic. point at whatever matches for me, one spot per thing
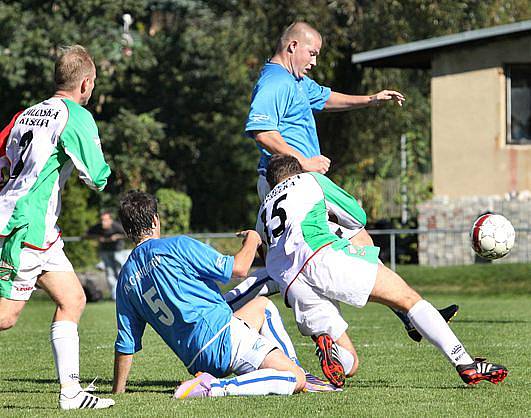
(319, 164)
(250, 234)
(386, 95)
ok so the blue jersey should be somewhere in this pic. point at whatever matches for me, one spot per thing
(283, 103)
(170, 284)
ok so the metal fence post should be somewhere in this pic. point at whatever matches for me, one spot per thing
(392, 245)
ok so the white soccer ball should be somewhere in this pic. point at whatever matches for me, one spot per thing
(492, 236)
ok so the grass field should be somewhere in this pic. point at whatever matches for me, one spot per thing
(396, 378)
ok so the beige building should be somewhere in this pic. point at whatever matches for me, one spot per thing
(481, 134)
(481, 106)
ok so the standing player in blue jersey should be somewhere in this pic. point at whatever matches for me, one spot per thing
(171, 284)
(281, 121)
(284, 99)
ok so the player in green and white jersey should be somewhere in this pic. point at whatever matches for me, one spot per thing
(316, 270)
(40, 148)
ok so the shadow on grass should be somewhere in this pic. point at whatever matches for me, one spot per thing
(133, 386)
(381, 383)
(492, 321)
(150, 386)
(26, 408)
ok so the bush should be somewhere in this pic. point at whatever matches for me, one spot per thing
(174, 210)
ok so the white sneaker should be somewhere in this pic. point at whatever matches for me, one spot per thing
(84, 400)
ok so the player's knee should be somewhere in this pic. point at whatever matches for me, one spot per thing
(354, 368)
(7, 322)
(73, 304)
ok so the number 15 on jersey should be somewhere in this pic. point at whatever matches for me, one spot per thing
(269, 220)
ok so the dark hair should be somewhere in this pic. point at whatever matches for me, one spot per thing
(280, 167)
(137, 211)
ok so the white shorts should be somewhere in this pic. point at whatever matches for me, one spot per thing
(262, 186)
(249, 348)
(32, 264)
(331, 276)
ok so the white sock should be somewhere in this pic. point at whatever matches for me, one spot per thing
(65, 348)
(273, 329)
(259, 382)
(432, 326)
(259, 284)
(346, 358)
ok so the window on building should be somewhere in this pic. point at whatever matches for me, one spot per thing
(518, 104)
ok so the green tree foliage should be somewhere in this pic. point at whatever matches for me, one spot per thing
(174, 210)
(171, 113)
(75, 219)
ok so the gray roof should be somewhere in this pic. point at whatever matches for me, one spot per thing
(418, 54)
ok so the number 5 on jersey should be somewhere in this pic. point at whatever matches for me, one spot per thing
(156, 304)
(276, 212)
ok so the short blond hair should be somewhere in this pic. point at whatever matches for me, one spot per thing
(299, 31)
(73, 64)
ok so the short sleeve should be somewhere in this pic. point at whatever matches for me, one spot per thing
(130, 327)
(206, 261)
(268, 106)
(81, 142)
(317, 95)
(341, 203)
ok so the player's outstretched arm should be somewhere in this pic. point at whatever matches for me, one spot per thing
(273, 142)
(338, 102)
(243, 259)
(122, 366)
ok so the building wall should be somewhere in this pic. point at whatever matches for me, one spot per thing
(469, 121)
(447, 224)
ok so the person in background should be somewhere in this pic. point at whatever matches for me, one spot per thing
(110, 236)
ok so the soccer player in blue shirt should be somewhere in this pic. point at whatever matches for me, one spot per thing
(284, 99)
(171, 284)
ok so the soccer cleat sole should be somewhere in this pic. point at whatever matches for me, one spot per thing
(332, 369)
(494, 377)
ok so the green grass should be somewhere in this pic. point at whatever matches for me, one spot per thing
(396, 378)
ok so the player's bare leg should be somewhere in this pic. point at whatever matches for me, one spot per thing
(257, 313)
(363, 238)
(65, 290)
(9, 312)
(348, 354)
(391, 290)
(277, 360)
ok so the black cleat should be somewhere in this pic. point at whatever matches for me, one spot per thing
(326, 350)
(447, 313)
(480, 370)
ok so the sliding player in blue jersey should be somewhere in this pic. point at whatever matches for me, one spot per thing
(171, 284)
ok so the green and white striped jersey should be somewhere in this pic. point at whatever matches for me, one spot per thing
(293, 221)
(45, 143)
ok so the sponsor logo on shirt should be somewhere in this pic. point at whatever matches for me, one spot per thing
(220, 262)
(258, 345)
(259, 117)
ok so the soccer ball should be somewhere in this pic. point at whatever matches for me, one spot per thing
(492, 236)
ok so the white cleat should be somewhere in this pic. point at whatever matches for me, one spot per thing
(84, 400)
